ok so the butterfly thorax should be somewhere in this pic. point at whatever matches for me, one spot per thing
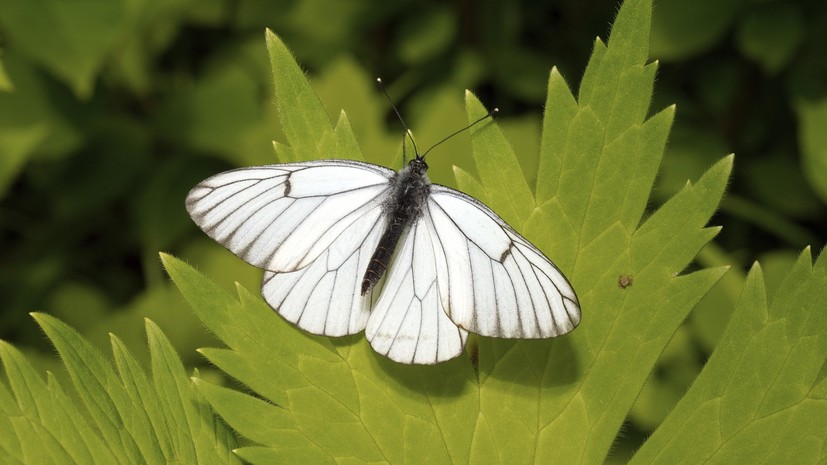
(409, 189)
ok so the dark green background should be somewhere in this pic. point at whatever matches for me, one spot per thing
(111, 110)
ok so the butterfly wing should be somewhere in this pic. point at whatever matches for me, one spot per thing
(492, 280)
(313, 226)
(282, 217)
(408, 323)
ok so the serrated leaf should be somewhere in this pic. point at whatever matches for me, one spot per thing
(560, 401)
(228, 318)
(498, 167)
(761, 396)
(606, 155)
(127, 417)
(325, 388)
(64, 435)
(366, 111)
(102, 394)
(302, 114)
(560, 110)
(140, 389)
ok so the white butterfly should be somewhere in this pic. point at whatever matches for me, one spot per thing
(349, 246)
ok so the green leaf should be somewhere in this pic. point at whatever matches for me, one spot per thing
(263, 422)
(498, 167)
(561, 400)
(303, 117)
(127, 417)
(367, 111)
(71, 39)
(560, 110)
(341, 398)
(33, 120)
(220, 113)
(433, 116)
(35, 406)
(770, 35)
(762, 396)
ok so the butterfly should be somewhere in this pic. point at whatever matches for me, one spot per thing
(349, 246)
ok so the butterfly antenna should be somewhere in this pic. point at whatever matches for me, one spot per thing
(399, 115)
(489, 115)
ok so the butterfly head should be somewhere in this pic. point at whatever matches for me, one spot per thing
(418, 165)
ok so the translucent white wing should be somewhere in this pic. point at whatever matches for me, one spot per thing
(493, 281)
(408, 323)
(282, 217)
(313, 226)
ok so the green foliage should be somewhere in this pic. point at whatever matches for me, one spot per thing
(76, 36)
(762, 396)
(126, 415)
(771, 34)
(110, 113)
(682, 29)
(337, 399)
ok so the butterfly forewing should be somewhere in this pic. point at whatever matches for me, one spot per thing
(282, 217)
(493, 281)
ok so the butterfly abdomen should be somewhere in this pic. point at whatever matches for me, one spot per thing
(410, 188)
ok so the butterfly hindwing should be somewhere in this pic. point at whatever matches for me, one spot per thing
(492, 280)
(408, 323)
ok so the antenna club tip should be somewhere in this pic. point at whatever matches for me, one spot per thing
(379, 80)
(495, 111)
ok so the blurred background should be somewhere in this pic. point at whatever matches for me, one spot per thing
(110, 111)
